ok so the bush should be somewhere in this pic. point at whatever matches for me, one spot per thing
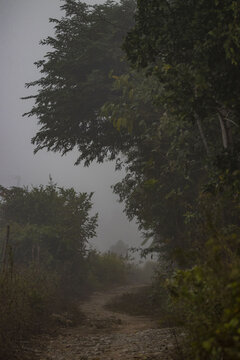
(106, 270)
(208, 297)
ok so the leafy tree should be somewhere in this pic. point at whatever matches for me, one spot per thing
(119, 248)
(192, 47)
(164, 166)
(48, 224)
(107, 269)
(76, 80)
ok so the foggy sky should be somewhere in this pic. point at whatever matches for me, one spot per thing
(23, 23)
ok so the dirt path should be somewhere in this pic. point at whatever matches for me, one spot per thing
(106, 335)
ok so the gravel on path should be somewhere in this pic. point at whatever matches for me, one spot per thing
(105, 335)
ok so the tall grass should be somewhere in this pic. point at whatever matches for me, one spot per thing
(27, 298)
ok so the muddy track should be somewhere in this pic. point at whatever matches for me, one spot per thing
(106, 335)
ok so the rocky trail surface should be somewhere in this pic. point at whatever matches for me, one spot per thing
(106, 335)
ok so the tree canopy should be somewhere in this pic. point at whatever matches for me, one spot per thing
(77, 77)
(193, 48)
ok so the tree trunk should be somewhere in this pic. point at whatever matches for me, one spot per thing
(204, 140)
(223, 131)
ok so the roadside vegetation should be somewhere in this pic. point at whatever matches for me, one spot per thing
(47, 266)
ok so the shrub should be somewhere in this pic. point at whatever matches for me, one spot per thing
(208, 296)
(106, 270)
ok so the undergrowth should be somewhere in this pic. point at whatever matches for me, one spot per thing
(146, 301)
(27, 298)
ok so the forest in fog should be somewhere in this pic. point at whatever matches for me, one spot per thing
(154, 87)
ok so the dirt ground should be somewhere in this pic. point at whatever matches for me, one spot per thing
(107, 335)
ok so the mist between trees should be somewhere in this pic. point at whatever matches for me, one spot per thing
(154, 86)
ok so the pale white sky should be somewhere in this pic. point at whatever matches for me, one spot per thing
(23, 23)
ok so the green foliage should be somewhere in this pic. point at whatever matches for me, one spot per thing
(208, 296)
(106, 270)
(186, 45)
(48, 224)
(76, 79)
(163, 164)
